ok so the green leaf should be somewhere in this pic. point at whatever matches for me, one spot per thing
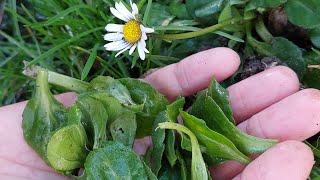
(110, 104)
(173, 109)
(89, 62)
(215, 143)
(160, 15)
(170, 147)
(168, 173)
(55, 133)
(183, 166)
(228, 13)
(235, 2)
(151, 175)
(255, 4)
(123, 129)
(42, 116)
(67, 148)
(95, 119)
(290, 54)
(185, 142)
(211, 160)
(114, 161)
(304, 13)
(117, 90)
(312, 78)
(172, 114)
(198, 167)
(315, 37)
(179, 10)
(285, 50)
(221, 96)
(205, 10)
(153, 101)
(158, 137)
(207, 109)
(165, 140)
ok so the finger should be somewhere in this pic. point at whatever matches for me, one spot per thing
(16, 150)
(257, 92)
(141, 146)
(67, 99)
(294, 118)
(194, 72)
(288, 160)
(14, 171)
(228, 169)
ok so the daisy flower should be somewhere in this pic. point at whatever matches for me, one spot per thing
(131, 35)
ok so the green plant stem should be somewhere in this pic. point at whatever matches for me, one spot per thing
(262, 30)
(198, 33)
(66, 82)
(258, 46)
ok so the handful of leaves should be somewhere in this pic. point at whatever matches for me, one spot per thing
(98, 131)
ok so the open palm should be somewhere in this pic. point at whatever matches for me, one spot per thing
(267, 105)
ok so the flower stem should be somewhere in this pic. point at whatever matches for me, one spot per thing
(66, 82)
(262, 31)
(197, 33)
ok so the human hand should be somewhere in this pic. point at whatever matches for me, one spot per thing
(266, 105)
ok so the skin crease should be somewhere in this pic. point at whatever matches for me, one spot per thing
(272, 93)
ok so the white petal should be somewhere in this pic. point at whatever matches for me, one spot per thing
(123, 10)
(117, 14)
(146, 50)
(144, 36)
(116, 45)
(123, 50)
(134, 7)
(141, 50)
(113, 36)
(143, 43)
(132, 48)
(114, 27)
(148, 30)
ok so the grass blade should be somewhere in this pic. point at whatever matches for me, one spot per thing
(2, 2)
(59, 16)
(146, 14)
(75, 38)
(17, 32)
(226, 35)
(90, 62)
(19, 44)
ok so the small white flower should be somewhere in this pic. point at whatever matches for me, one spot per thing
(131, 35)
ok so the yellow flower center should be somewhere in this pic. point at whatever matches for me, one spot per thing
(132, 31)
